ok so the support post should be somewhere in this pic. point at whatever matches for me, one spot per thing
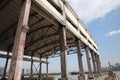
(6, 64)
(31, 68)
(23, 72)
(79, 54)
(99, 63)
(40, 69)
(98, 71)
(97, 74)
(47, 68)
(94, 64)
(100, 66)
(63, 49)
(90, 75)
(19, 43)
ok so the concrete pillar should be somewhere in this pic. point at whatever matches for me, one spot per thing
(23, 72)
(97, 74)
(5, 68)
(94, 63)
(79, 54)
(31, 67)
(47, 68)
(97, 63)
(90, 75)
(63, 49)
(40, 69)
(19, 42)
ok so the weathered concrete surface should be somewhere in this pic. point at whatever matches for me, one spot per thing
(49, 78)
(99, 78)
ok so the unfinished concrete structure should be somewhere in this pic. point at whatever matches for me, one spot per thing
(40, 28)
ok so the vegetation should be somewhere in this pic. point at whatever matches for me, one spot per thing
(116, 67)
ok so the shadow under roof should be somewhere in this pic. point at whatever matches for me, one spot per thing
(42, 37)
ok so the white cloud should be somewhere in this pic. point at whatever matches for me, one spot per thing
(111, 33)
(89, 10)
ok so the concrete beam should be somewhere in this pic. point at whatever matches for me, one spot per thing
(48, 11)
(24, 59)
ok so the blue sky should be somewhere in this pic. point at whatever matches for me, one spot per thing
(102, 18)
(106, 31)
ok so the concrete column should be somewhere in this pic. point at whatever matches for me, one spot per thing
(23, 72)
(90, 75)
(94, 64)
(47, 68)
(40, 69)
(97, 64)
(19, 43)
(31, 68)
(5, 68)
(96, 67)
(63, 49)
(79, 54)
